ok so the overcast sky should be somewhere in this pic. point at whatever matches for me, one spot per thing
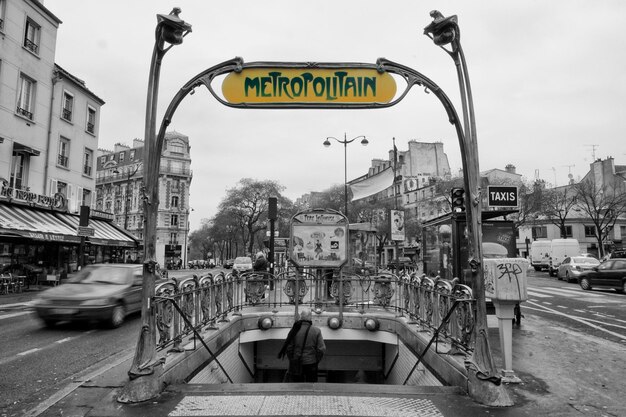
(548, 78)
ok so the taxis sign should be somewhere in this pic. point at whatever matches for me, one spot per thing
(308, 85)
(502, 196)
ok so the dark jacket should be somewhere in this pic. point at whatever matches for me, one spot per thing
(314, 348)
(260, 265)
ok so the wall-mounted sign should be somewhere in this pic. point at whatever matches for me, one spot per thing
(309, 85)
(502, 196)
(397, 225)
(319, 238)
(16, 195)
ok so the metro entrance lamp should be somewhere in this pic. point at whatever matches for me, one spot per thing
(345, 142)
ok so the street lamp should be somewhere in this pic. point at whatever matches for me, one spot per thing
(483, 382)
(146, 368)
(345, 142)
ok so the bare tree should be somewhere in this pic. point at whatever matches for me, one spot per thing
(557, 204)
(248, 203)
(604, 204)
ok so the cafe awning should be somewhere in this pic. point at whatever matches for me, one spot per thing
(23, 221)
(104, 233)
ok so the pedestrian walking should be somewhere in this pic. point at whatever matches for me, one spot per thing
(304, 347)
(260, 264)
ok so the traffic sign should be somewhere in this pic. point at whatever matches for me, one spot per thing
(85, 231)
(502, 196)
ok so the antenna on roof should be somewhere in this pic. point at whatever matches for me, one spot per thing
(593, 151)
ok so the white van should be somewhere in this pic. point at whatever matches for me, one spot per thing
(561, 249)
(540, 254)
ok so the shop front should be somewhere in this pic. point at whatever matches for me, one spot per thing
(36, 242)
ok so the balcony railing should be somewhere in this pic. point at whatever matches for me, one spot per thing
(25, 113)
(91, 127)
(31, 46)
(67, 115)
(209, 299)
(62, 160)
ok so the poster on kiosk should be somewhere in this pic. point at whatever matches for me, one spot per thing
(319, 239)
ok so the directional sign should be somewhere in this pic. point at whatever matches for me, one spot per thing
(85, 231)
(502, 196)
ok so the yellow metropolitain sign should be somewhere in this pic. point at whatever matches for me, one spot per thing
(308, 85)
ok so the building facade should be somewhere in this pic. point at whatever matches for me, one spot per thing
(605, 177)
(119, 190)
(49, 123)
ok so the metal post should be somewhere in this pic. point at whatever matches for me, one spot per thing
(146, 369)
(345, 142)
(484, 384)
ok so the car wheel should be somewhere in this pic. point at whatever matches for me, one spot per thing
(118, 314)
(585, 284)
(537, 268)
(567, 276)
(623, 289)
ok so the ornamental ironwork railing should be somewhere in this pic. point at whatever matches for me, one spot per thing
(205, 300)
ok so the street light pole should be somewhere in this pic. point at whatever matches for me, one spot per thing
(345, 142)
(484, 382)
(146, 370)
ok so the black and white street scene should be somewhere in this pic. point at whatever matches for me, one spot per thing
(276, 208)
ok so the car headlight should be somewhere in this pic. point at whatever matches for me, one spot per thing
(96, 302)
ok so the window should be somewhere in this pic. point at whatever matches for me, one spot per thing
(568, 231)
(26, 97)
(174, 201)
(539, 232)
(173, 238)
(122, 156)
(63, 158)
(590, 231)
(174, 220)
(103, 159)
(91, 120)
(86, 199)
(19, 170)
(87, 162)
(132, 155)
(68, 105)
(31, 36)
(176, 147)
(62, 188)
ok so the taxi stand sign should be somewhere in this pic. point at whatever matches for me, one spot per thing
(502, 196)
(319, 239)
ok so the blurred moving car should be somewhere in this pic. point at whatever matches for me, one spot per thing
(609, 274)
(242, 264)
(228, 263)
(573, 266)
(103, 293)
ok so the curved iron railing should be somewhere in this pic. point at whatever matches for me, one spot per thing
(204, 300)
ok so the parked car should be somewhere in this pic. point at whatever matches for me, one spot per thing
(573, 266)
(362, 266)
(401, 263)
(228, 263)
(103, 293)
(609, 274)
(242, 264)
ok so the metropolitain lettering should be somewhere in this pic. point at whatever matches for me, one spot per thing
(330, 87)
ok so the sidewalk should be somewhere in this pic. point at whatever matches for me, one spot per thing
(96, 394)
